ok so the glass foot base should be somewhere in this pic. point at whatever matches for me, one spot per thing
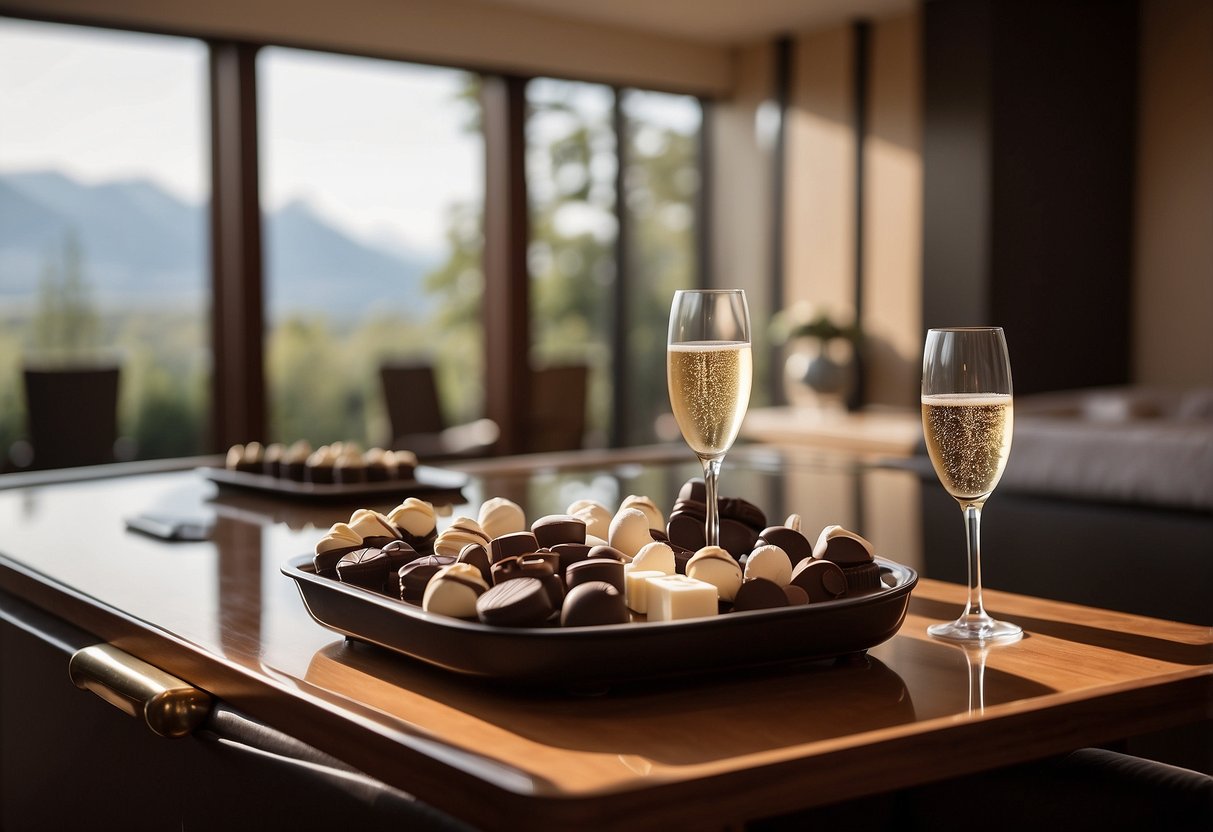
(974, 629)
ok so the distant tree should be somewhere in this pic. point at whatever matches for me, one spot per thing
(65, 322)
(572, 254)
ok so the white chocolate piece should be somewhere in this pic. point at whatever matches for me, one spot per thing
(770, 562)
(636, 588)
(253, 453)
(340, 536)
(234, 455)
(645, 504)
(405, 459)
(674, 597)
(597, 517)
(654, 556)
(414, 517)
(461, 532)
(298, 452)
(718, 568)
(592, 540)
(499, 516)
(831, 532)
(350, 456)
(322, 456)
(629, 532)
(453, 591)
(793, 522)
(368, 524)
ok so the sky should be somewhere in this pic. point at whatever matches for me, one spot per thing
(375, 146)
(136, 105)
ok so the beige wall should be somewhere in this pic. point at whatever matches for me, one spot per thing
(820, 242)
(820, 198)
(1173, 269)
(741, 181)
(892, 313)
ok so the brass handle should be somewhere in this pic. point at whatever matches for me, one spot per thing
(166, 704)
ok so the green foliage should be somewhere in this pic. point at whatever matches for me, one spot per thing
(662, 184)
(65, 324)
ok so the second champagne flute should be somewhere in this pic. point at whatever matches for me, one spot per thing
(709, 369)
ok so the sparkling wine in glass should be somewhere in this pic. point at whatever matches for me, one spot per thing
(967, 419)
(709, 370)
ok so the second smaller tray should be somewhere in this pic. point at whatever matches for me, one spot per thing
(426, 480)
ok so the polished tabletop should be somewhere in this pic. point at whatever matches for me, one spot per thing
(713, 749)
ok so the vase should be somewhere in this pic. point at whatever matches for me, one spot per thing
(819, 373)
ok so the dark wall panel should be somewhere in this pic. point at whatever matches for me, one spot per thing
(1029, 124)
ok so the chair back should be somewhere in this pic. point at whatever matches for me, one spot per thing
(72, 415)
(411, 396)
(556, 418)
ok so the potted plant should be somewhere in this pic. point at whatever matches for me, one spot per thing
(821, 352)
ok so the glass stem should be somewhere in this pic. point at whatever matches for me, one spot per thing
(975, 610)
(711, 476)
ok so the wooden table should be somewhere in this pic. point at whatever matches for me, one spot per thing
(703, 752)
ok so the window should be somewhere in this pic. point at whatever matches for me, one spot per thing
(372, 193)
(570, 167)
(103, 226)
(661, 184)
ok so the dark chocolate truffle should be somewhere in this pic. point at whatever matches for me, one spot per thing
(593, 604)
(414, 576)
(759, 594)
(820, 579)
(522, 602)
(570, 553)
(791, 541)
(367, 568)
(605, 570)
(512, 545)
(555, 529)
(527, 566)
(478, 556)
(608, 553)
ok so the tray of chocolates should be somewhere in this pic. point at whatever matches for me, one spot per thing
(340, 471)
(592, 597)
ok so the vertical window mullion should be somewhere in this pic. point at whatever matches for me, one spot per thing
(782, 91)
(703, 200)
(506, 280)
(236, 266)
(861, 55)
(619, 320)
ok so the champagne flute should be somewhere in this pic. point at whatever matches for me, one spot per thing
(709, 370)
(967, 419)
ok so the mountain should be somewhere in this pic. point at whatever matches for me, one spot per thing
(316, 266)
(142, 245)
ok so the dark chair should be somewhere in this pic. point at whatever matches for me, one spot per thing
(556, 419)
(72, 415)
(410, 393)
(1089, 790)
